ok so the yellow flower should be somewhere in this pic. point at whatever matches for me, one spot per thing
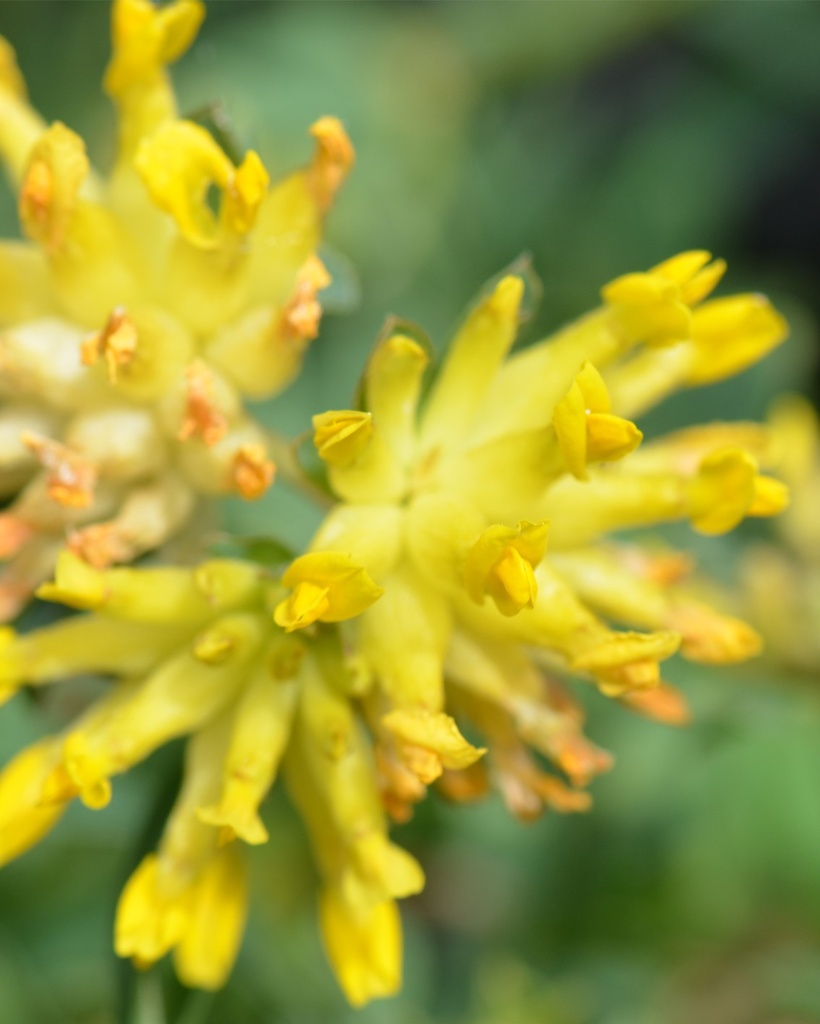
(484, 512)
(196, 653)
(143, 310)
(463, 576)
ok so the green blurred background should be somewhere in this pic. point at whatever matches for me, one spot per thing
(600, 137)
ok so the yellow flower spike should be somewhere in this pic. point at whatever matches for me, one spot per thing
(24, 819)
(478, 349)
(260, 731)
(208, 947)
(341, 436)
(328, 587)
(332, 162)
(501, 562)
(430, 733)
(363, 947)
(179, 162)
(730, 334)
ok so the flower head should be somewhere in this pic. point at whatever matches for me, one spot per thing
(143, 309)
(484, 513)
(427, 635)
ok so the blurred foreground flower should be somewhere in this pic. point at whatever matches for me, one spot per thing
(144, 310)
(781, 583)
(452, 616)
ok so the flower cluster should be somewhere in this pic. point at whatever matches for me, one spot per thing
(143, 310)
(464, 575)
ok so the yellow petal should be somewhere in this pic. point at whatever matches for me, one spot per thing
(150, 922)
(24, 819)
(500, 564)
(771, 497)
(341, 436)
(308, 603)
(731, 334)
(472, 361)
(364, 948)
(683, 267)
(328, 586)
(209, 945)
(723, 491)
(392, 384)
(610, 438)
(147, 36)
(435, 732)
(179, 162)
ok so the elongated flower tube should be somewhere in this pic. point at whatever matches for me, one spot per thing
(143, 310)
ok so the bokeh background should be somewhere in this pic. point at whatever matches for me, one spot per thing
(599, 137)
